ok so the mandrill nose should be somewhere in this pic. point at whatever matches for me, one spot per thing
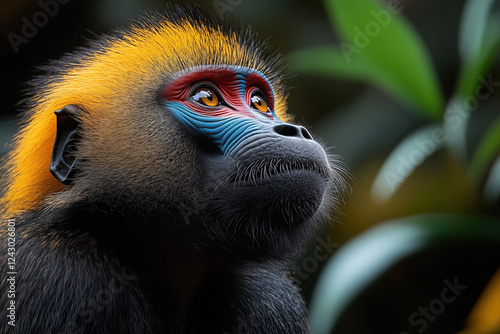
(289, 130)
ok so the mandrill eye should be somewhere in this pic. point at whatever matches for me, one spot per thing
(259, 103)
(206, 97)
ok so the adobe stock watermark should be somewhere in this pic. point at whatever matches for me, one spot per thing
(223, 6)
(454, 116)
(247, 324)
(190, 211)
(421, 318)
(30, 28)
(324, 249)
(99, 301)
(11, 272)
(460, 110)
(252, 322)
(372, 29)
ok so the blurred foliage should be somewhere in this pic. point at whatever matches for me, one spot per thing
(367, 287)
(399, 266)
(405, 72)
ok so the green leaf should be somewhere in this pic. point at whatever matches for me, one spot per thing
(330, 61)
(381, 37)
(492, 185)
(378, 280)
(402, 161)
(487, 150)
(479, 43)
(456, 123)
(473, 27)
(472, 70)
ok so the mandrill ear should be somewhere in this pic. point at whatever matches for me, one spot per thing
(62, 164)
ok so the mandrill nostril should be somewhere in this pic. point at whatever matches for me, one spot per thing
(305, 133)
(289, 130)
(286, 130)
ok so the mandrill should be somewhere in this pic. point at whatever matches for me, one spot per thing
(157, 186)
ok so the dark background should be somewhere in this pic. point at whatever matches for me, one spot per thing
(355, 120)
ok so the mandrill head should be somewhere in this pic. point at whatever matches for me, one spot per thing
(179, 120)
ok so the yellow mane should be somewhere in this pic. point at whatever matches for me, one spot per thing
(145, 53)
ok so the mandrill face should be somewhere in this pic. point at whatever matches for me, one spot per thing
(261, 178)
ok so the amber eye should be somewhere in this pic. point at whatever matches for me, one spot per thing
(259, 103)
(206, 97)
